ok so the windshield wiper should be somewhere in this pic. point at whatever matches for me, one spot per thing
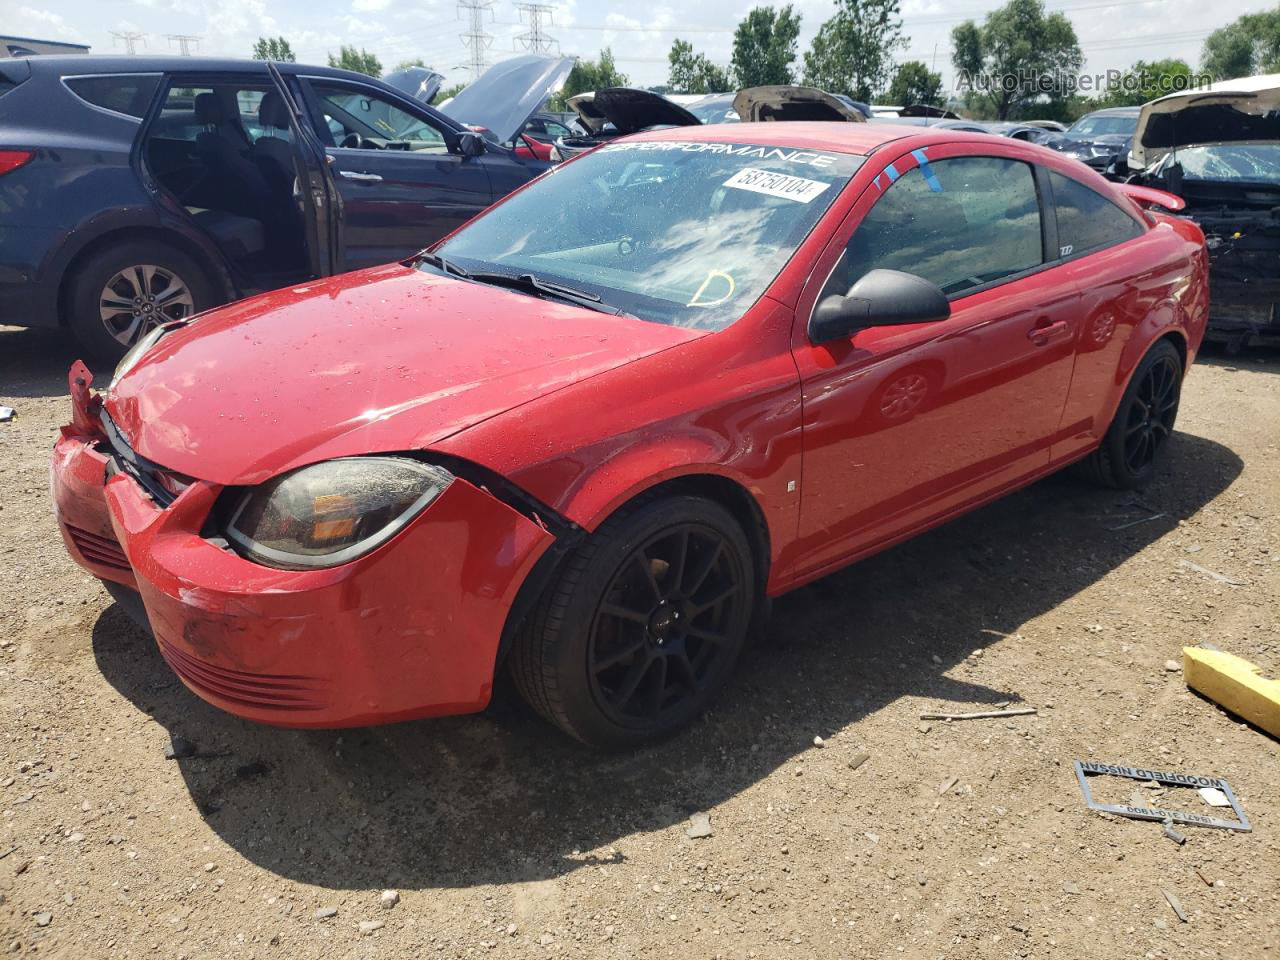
(530, 283)
(441, 263)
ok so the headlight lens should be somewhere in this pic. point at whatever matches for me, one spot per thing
(130, 359)
(330, 513)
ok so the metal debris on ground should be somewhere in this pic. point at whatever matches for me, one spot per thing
(7, 413)
(1139, 812)
(983, 715)
(1173, 834)
(1176, 904)
(1211, 574)
(1134, 523)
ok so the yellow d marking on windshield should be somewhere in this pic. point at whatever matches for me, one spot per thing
(696, 301)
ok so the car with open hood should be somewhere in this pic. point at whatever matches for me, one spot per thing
(615, 112)
(787, 102)
(1217, 149)
(586, 441)
(139, 190)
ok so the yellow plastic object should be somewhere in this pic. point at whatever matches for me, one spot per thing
(1234, 684)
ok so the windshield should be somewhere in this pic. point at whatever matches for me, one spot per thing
(1254, 162)
(674, 232)
(1095, 126)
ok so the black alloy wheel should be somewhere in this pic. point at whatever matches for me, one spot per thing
(1139, 433)
(665, 620)
(641, 628)
(1152, 410)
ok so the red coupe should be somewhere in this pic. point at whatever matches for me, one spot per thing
(588, 434)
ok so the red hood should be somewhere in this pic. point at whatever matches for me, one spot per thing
(381, 360)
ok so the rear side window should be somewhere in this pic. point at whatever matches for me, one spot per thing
(960, 223)
(1086, 219)
(129, 94)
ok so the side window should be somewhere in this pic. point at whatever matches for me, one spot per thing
(361, 119)
(1086, 219)
(129, 94)
(964, 222)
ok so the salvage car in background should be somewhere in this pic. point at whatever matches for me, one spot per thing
(615, 112)
(791, 103)
(1097, 138)
(589, 433)
(1218, 149)
(135, 190)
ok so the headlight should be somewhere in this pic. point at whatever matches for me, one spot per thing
(130, 359)
(330, 513)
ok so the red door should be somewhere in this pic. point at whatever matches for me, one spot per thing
(904, 425)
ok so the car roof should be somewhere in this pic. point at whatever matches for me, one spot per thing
(94, 64)
(856, 138)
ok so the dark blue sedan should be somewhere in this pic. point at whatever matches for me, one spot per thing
(139, 189)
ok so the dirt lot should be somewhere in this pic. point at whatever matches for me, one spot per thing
(503, 839)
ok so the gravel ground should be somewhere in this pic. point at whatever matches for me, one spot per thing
(504, 839)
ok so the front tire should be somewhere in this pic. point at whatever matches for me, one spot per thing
(1135, 442)
(641, 630)
(124, 290)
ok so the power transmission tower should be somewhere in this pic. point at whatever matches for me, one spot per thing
(535, 39)
(475, 39)
(130, 39)
(185, 42)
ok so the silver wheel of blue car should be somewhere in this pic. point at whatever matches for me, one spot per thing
(140, 297)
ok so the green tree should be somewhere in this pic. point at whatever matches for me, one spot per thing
(448, 93)
(1145, 81)
(764, 46)
(361, 61)
(406, 64)
(693, 73)
(273, 48)
(1245, 47)
(1017, 57)
(588, 75)
(852, 52)
(913, 82)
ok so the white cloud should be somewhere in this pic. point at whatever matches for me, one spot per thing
(365, 6)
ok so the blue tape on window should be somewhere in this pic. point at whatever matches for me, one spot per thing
(892, 171)
(925, 169)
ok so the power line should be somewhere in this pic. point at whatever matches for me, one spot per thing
(184, 41)
(476, 40)
(130, 39)
(535, 40)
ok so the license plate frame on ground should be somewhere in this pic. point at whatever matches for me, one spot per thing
(1086, 769)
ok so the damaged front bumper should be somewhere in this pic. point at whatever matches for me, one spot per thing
(410, 630)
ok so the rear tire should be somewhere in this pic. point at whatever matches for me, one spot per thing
(641, 629)
(126, 289)
(1135, 442)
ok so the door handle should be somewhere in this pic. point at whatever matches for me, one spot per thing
(1040, 335)
(360, 177)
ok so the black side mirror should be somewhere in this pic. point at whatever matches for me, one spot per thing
(882, 298)
(470, 143)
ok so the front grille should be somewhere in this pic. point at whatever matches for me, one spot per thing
(98, 549)
(262, 690)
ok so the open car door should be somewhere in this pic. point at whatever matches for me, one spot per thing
(315, 188)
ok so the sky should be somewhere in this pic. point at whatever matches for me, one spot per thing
(1112, 34)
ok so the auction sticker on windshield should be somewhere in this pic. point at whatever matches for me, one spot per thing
(776, 184)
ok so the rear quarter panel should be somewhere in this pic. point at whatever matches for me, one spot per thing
(1133, 294)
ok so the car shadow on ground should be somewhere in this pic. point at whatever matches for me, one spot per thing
(502, 797)
(1266, 359)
